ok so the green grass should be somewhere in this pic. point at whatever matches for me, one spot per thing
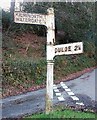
(65, 114)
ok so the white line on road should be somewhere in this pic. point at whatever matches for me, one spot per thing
(74, 98)
(80, 103)
(69, 92)
(57, 93)
(56, 90)
(61, 98)
(65, 87)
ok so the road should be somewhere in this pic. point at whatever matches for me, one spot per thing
(77, 92)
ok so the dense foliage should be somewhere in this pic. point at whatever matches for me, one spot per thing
(75, 19)
(78, 19)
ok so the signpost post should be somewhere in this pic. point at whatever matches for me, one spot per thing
(50, 62)
(52, 50)
(48, 21)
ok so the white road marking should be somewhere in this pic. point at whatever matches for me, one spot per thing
(58, 94)
(67, 90)
(65, 87)
(74, 98)
(80, 103)
(56, 90)
(61, 98)
(70, 93)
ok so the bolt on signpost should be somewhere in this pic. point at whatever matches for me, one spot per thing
(52, 50)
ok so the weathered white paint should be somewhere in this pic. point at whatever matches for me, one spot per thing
(49, 87)
(61, 98)
(67, 49)
(67, 90)
(65, 87)
(74, 98)
(70, 93)
(17, 5)
(58, 94)
(80, 103)
(50, 23)
(50, 50)
(56, 90)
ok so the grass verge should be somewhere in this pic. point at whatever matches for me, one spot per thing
(64, 114)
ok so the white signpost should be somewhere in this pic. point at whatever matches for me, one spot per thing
(52, 51)
(29, 18)
(49, 22)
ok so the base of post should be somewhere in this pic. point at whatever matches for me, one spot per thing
(49, 87)
(49, 105)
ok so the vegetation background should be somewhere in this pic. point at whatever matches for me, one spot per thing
(24, 45)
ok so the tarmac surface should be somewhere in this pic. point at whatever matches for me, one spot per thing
(79, 92)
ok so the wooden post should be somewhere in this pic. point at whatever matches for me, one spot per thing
(50, 63)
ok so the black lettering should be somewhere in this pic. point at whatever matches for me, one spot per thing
(21, 19)
(33, 20)
(69, 48)
(17, 19)
(79, 47)
(66, 49)
(62, 49)
(55, 50)
(58, 49)
(26, 19)
(24, 15)
(40, 21)
(75, 48)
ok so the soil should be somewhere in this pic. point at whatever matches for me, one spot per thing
(29, 41)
